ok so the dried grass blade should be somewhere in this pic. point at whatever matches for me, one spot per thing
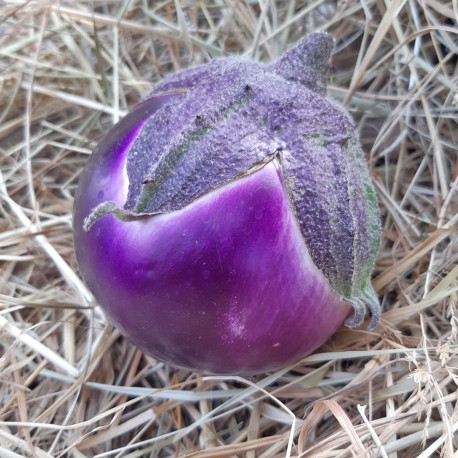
(382, 30)
(230, 450)
(319, 409)
(410, 259)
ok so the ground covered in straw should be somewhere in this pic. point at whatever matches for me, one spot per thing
(70, 385)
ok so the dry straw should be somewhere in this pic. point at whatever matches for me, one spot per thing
(70, 385)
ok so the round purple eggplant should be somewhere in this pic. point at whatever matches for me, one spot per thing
(228, 223)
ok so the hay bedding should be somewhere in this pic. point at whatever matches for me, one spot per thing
(70, 385)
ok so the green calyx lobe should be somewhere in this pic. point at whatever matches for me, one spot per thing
(153, 187)
(166, 168)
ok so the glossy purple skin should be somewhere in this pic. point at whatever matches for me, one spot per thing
(225, 285)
